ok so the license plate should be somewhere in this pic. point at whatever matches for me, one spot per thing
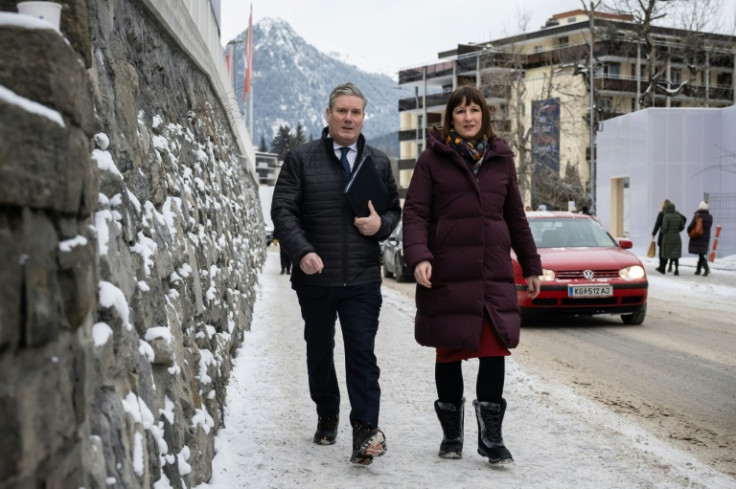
(589, 290)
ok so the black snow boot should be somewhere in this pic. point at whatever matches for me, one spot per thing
(490, 440)
(451, 418)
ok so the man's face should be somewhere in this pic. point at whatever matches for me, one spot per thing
(345, 120)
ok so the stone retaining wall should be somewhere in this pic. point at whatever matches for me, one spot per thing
(130, 240)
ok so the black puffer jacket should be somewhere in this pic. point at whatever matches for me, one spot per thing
(310, 214)
(699, 245)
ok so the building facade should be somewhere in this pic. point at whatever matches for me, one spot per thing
(537, 85)
(268, 167)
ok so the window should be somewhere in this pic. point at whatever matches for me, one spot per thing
(675, 76)
(538, 48)
(605, 104)
(563, 41)
(724, 79)
(642, 69)
(613, 70)
(571, 20)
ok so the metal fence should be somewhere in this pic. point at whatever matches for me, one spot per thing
(722, 206)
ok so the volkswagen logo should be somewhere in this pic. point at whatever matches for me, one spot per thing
(588, 274)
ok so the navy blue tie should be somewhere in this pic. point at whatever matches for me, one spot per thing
(344, 160)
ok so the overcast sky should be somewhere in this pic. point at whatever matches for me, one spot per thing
(388, 35)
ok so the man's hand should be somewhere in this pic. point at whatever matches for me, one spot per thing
(368, 226)
(533, 286)
(423, 273)
(311, 263)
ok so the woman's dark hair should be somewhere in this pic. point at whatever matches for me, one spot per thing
(470, 95)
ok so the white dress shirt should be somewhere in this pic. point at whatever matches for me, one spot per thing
(352, 154)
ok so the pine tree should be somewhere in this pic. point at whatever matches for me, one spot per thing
(262, 148)
(299, 138)
(282, 143)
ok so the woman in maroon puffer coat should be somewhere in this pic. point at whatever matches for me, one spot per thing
(462, 216)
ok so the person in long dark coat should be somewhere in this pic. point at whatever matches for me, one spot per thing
(658, 237)
(672, 225)
(463, 215)
(699, 246)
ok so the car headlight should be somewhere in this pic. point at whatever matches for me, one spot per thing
(631, 273)
(547, 275)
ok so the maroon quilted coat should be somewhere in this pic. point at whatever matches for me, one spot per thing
(466, 226)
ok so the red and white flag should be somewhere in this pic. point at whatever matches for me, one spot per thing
(248, 51)
(229, 61)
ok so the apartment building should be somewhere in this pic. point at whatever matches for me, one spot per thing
(268, 168)
(538, 88)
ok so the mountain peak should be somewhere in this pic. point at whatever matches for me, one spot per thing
(269, 24)
(292, 81)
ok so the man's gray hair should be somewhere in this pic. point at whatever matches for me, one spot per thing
(346, 89)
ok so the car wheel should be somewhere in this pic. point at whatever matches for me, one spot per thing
(636, 318)
(386, 272)
(399, 271)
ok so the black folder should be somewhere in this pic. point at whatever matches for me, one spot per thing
(366, 184)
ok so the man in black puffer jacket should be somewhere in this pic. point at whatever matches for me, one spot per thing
(336, 271)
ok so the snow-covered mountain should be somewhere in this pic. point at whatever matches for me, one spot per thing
(292, 81)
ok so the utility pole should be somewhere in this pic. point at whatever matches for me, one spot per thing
(416, 102)
(591, 15)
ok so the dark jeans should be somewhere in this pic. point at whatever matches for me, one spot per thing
(285, 261)
(358, 308)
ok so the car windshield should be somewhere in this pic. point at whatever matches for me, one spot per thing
(569, 233)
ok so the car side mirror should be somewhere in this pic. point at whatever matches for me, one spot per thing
(625, 243)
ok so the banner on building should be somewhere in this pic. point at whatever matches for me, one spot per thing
(546, 133)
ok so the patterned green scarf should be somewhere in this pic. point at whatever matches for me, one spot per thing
(471, 153)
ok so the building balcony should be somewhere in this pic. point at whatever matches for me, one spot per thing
(435, 70)
(492, 93)
(407, 164)
(433, 100)
(717, 93)
(409, 134)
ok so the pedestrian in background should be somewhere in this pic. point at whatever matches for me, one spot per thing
(699, 245)
(656, 235)
(462, 216)
(339, 267)
(285, 260)
(671, 248)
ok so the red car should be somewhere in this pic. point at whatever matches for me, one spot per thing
(585, 270)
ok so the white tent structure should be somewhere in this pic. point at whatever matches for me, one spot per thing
(681, 154)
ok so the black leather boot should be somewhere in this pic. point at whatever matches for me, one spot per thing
(452, 418)
(490, 440)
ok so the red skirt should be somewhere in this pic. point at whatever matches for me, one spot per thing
(489, 346)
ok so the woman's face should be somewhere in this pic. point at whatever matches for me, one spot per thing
(467, 118)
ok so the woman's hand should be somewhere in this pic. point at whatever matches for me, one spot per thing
(423, 273)
(533, 286)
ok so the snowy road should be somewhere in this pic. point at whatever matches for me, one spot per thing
(558, 439)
